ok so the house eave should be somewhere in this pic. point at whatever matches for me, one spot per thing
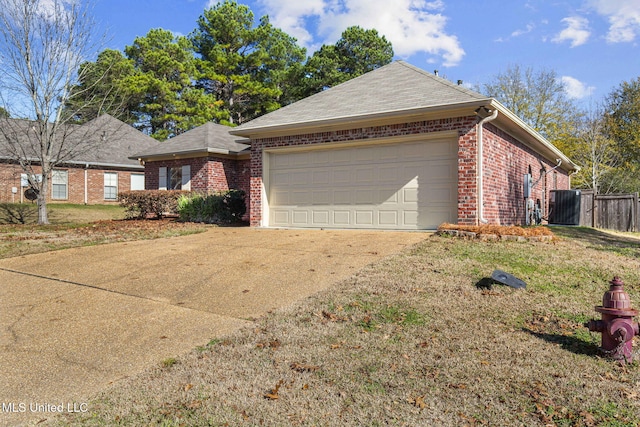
(190, 154)
(515, 126)
(82, 164)
(346, 122)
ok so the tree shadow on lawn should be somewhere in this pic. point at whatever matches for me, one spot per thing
(601, 240)
(567, 342)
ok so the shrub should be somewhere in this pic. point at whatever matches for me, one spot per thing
(222, 207)
(18, 213)
(150, 203)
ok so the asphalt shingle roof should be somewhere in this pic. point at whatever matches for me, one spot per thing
(104, 141)
(395, 87)
(208, 138)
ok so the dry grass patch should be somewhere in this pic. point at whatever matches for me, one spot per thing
(18, 240)
(411, 341)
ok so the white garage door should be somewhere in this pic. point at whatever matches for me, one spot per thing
(410, 185)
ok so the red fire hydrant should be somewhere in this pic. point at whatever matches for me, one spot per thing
(617, 325)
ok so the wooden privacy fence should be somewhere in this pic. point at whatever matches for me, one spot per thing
(610, 211)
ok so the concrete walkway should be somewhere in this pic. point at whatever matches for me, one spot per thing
(73, 322)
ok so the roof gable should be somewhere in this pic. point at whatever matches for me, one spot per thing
(395, 87)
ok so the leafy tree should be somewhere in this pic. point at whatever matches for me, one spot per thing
(42, 45)
(4, 114)
(622, 117)
(101, 90)
(539, 99)
(357, 52)
(247, 68)
(167, 103)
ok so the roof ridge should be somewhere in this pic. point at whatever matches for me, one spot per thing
(443, 80)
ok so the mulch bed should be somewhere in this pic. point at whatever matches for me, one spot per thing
(497, 232)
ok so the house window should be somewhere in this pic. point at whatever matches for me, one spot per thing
(137, 181)
(110, 186)
(175, 178)
(59, 183)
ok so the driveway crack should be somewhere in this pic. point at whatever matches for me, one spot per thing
(86, 285)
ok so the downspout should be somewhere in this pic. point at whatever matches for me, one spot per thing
(480, 143)
(86, 183)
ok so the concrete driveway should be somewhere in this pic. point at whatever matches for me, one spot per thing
(73, 322)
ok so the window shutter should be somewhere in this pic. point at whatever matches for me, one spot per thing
(186, 177)
(162, 179)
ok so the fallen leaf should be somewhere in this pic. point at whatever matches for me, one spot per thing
(303, 368)
(188, 387)
(588, 419)
(195, 404)
(273, 394)
(419, 402)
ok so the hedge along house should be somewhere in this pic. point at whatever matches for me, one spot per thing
(95, 170)
(396, 148)
(206, 159)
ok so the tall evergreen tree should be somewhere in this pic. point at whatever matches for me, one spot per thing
(245, 67)
(357, 52)
(167, 101)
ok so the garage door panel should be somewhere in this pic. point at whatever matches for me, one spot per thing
(341, 176)
(388, 218)
(321, 197)
(298, 198)
(400, 186)
(341, 218)
(364, 217)
(342, 197)
(281, 217)
(365, 175)
(320, 217)
(321, 177)
(300, 217)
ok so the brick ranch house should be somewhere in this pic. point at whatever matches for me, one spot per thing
(94, 175)
(396, 148)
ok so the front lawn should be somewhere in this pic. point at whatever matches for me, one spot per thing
(416, 339)
(83, 225)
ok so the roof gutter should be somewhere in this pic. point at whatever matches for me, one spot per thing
(480, 168)
(187, 154)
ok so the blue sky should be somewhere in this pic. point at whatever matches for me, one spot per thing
(593, 45)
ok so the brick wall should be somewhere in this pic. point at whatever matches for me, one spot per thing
(10, 177)
(208, 174)
(506, 160)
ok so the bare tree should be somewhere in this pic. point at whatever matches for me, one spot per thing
(42, 45)
(597, 153)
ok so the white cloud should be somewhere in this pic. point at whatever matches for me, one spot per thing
(623, 16)
(530, 27)
(577, 31)
(412, 26)
(575, 88)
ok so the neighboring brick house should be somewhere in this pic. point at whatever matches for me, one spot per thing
(99, 171)
(206, 159)
(396, 148)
